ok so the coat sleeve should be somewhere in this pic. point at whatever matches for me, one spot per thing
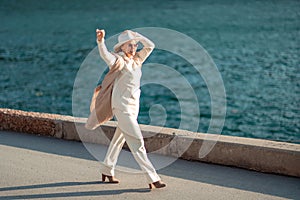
(148, 47)
(108, 57)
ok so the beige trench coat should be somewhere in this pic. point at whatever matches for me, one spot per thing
(101, 109)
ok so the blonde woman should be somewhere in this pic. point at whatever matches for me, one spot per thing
(119, 96)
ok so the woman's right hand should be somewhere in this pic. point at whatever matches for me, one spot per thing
(100, 35)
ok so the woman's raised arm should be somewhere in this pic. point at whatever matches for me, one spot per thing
(108, 57)
(147, 49)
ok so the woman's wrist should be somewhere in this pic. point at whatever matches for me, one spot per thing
(100, 41)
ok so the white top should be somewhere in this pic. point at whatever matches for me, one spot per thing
(126, 91)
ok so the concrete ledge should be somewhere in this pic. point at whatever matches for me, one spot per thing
(254, 154)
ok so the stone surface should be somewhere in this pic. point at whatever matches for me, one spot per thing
(29, 122)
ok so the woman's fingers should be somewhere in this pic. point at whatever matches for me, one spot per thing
(100, 33)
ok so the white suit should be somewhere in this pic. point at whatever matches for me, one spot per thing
(125, 106)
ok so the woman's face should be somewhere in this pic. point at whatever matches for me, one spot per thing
(129, 48)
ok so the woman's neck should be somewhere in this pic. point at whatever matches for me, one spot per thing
(129, 55)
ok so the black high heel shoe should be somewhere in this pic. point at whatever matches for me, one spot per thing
(157, 184)
(111, 179)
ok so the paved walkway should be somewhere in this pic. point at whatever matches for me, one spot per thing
(34, 167)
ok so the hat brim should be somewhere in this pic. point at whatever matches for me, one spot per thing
(117, 47)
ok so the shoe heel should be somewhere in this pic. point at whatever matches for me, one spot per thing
(103, 178)
(157, 184)
(111, 179)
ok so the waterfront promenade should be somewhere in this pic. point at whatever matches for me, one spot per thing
(39, 167)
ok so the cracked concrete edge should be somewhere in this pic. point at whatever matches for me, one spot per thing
(254, 154)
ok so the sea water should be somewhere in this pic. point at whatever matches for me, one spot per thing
(254, 44)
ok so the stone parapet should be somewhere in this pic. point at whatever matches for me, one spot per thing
(254, 154)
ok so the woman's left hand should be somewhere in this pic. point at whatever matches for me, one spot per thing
(100, 35)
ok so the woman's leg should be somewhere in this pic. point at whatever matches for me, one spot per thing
(134, 139)
(113, 152)
(138, 150)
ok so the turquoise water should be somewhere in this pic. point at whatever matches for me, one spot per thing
(255, 45)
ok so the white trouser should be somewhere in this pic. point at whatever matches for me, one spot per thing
(135, 143)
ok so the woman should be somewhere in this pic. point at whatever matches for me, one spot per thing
(125, 67)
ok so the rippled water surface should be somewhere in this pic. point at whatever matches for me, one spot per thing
(255, 45)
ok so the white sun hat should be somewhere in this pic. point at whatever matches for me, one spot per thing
(124, 37)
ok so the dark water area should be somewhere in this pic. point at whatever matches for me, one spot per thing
(255, 45)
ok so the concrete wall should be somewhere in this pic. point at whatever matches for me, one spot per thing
(254, 154)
